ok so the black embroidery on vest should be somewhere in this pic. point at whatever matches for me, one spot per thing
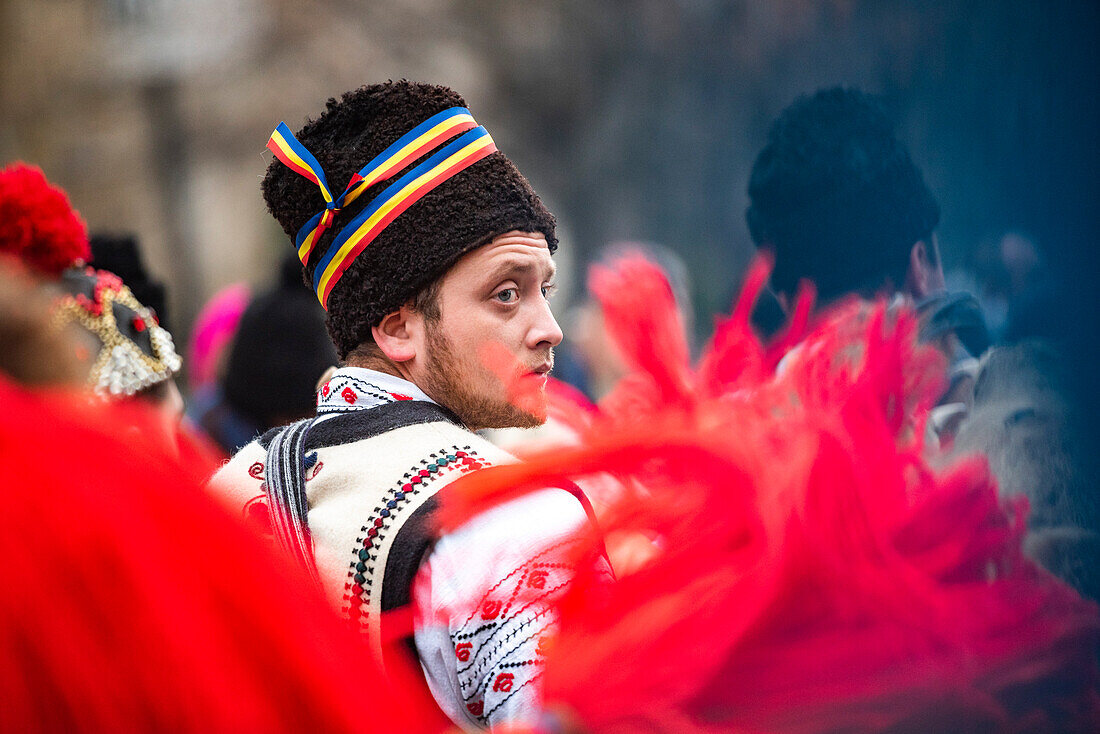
(363, 580)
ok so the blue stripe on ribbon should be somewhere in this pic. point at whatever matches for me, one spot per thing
(307, 228)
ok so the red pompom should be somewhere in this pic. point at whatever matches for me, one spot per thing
(37, 223)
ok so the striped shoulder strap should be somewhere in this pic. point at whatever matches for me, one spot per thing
(286, 493)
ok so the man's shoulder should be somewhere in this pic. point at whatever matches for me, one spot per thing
(394, 431)
(353, 426)
(240, 479)
(360, 425)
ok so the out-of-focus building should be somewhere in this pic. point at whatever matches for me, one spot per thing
(634, 121)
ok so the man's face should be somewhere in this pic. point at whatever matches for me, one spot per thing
(488, 355)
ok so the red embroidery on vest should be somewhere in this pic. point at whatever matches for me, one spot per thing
(503, 683)
(491, 609)
(476, 707)
(326, 390)
(399, 396)
(537, 579)
(315, 470)
(462, 651)
(256, 471)
(348, 395)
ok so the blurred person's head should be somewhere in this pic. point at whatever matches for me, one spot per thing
(125, 352)
(121, 255)
(838, 200)
(279, 351)
(448, 289)
(1020, 258)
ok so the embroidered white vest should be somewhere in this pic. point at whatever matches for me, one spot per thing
(371, 482)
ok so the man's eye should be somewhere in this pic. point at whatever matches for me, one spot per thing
(507, 295)
(548, 290)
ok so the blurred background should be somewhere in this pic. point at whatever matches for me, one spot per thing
(634, 120)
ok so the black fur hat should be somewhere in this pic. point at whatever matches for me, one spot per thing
(837, 197)
(278, 353)
(489, 198)
(120, 254)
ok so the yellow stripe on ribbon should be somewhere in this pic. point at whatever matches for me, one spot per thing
(413, 150)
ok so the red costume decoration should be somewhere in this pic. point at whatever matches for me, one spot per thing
(37, 223)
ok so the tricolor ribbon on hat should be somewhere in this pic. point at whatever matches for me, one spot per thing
(467, 149)
(434, 131)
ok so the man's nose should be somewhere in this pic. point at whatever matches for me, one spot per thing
(544, 331)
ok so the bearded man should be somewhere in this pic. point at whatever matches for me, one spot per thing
(434, 267)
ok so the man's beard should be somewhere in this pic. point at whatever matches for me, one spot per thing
(448, 382)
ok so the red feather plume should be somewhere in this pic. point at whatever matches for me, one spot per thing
(642, 318)
(809, 569)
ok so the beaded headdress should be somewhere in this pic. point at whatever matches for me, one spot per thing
(39, 227)
(135, 352)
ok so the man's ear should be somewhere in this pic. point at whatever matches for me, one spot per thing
(921, 278)
(397, 334)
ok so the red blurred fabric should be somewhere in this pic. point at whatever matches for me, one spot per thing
(131, 601)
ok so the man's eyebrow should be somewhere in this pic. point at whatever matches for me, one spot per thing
(517, 267)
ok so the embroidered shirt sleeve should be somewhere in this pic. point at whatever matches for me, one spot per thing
(485, 604)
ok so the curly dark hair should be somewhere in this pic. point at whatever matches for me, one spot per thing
(489, 198)
(836, 196)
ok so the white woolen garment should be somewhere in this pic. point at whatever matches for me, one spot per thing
(375, 458)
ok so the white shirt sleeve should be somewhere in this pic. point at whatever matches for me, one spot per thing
(484, 603)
